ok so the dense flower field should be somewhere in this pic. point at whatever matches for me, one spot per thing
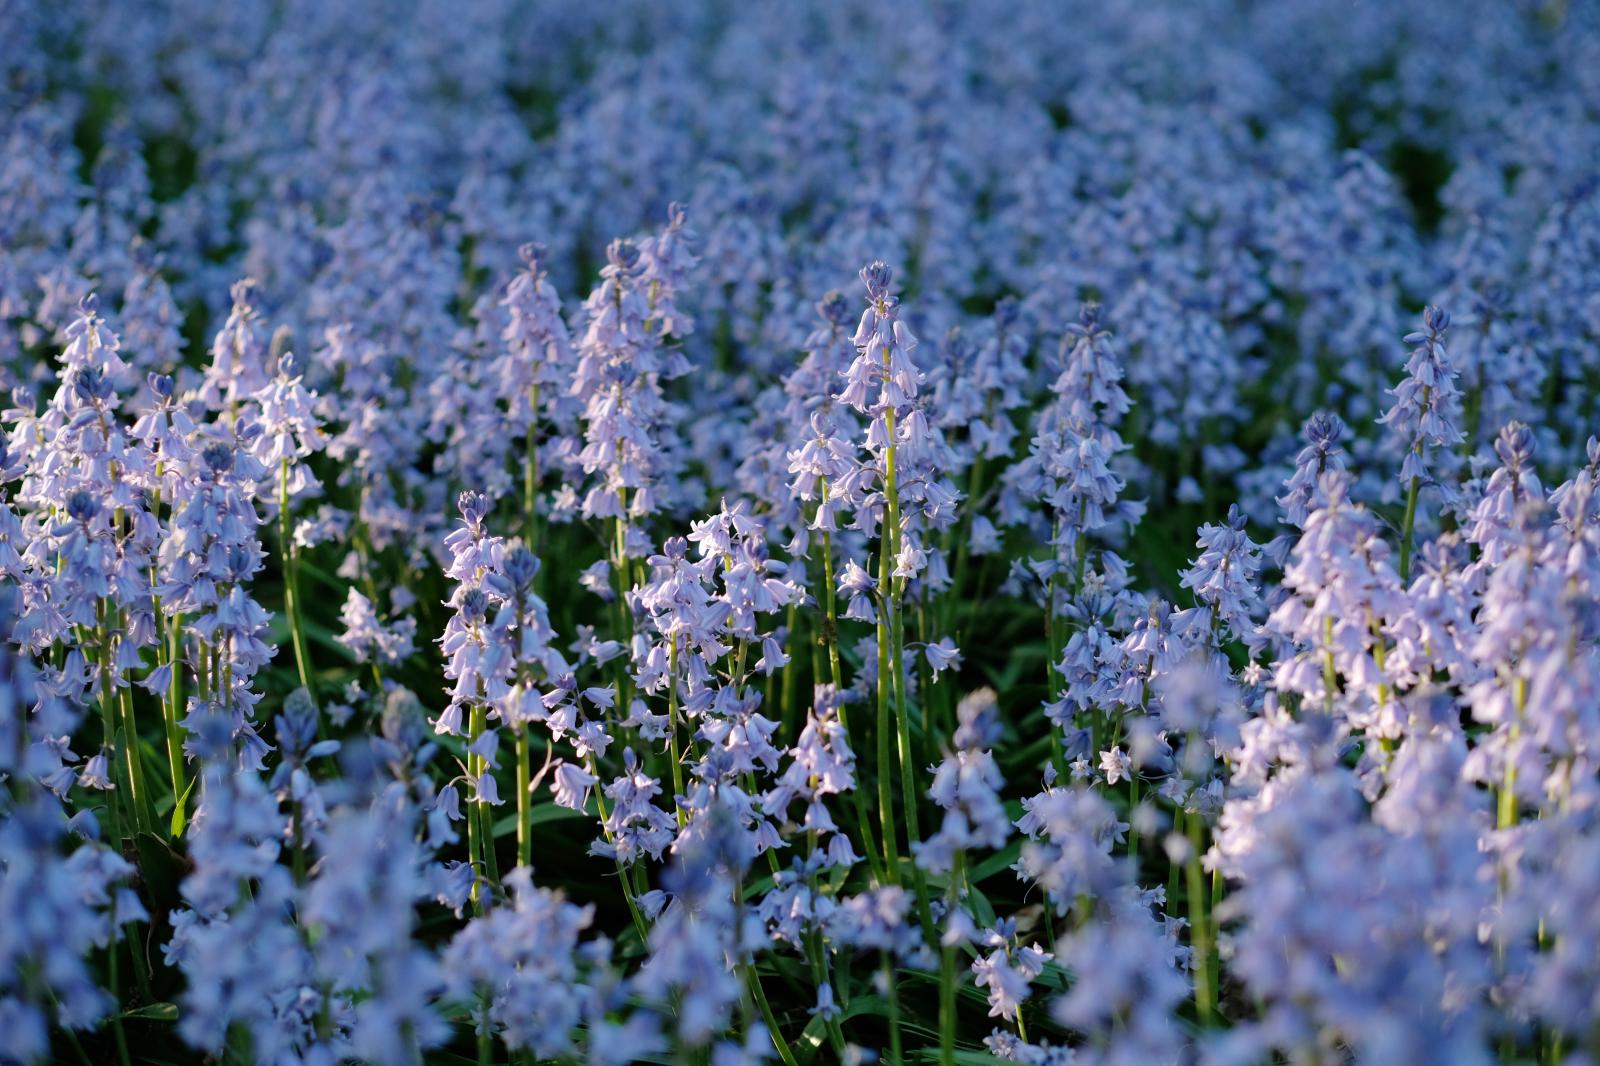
(763, 532)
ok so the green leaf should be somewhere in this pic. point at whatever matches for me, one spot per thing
(810, 1040)
(180, 809)
(541, 814)
(965, 1058)
(982, 909)
(875, 1006)
(1000, 860)
(161, 870)
(155, 1012)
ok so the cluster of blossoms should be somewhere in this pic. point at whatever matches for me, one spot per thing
(793, 650)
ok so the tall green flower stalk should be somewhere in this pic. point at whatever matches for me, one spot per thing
(885, 725)
(894, 608)
(869, 844)
(884, 343)
(672, 734)
(169, 637)
(170, 656)
(531, 473)
(1425, 404)
(122, 734)
(291, 581)
(1202, 938)
(480, 824)
(947, 969)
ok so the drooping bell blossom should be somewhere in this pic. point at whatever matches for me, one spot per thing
(966, 786)
(1436, 624)
(1344, 591)
(358, 912)
(1131, 1010)
(237, 888)
(1223, 580)
(1538, 670)
(821, 764)
(699, 933)
(977, 388)
(822, 457)
(152, 324)
(167, 430)
(1008, 970)
(498, 646)
(701, 621)
(1425, 406)
(1322, 453)
(1066, 488)
(1309, 837)
(291, 432)
(635, 826)
(204, 572)
(79, 442)
(543, 978)
(63, 894)
(667, 259)
(1184, 367)
(1088, 391)
(618, 380)
(1577, 505)
(536, 366)
(1071, 834)
(1513, 487)
(239, 354)
(92, 534)
(883, 382)
(372, 639)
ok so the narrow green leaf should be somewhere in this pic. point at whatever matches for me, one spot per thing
(810, 1040)
(1000, 860)
(540, 815)
(156, 1012)
(180, 809)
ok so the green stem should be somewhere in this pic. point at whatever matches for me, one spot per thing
(1173, 868)
(291, 582)
(1133, 807)
(753, 981)
(530, 473)
(624, 632)
(790, 677)
(1330, 673)
(816, 952)
(963, 544)
(116, 1014)
(1407, 528)
(893, 595)
(167, 646)
(622, 871)
(891, 852)
(892, 993)
(1082, 547)
(171, 709)
(140, 803)
(835, 669)
(481, 1027)
(477, 845)
(672, 726)
(143, 802)
(524, 799)
(947, 976)
(108, 724)
(1199, 925)
(869, 844)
